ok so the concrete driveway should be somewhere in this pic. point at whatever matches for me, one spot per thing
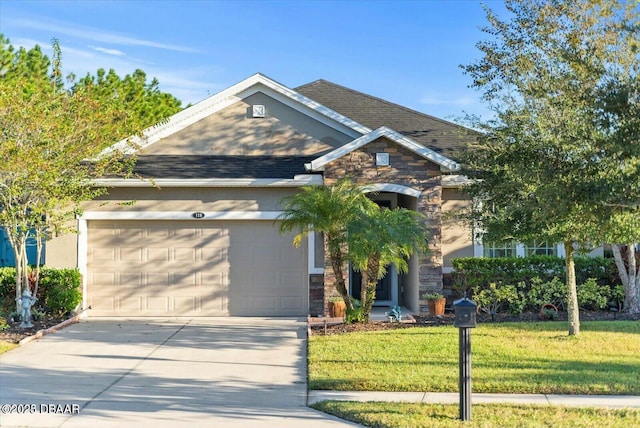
(163, 373)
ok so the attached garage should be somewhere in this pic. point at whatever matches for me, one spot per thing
(194, 268)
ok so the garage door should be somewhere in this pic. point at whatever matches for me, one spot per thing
(194, 268)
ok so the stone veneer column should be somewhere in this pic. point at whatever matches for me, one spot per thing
(407, 169)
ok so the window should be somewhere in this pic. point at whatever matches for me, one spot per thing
(539, 248)
(498, 249)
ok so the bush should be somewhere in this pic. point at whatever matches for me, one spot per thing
(492, 299)
(7, 289)
(593, 296)
(540, 293)
(356, 314)
(59, 291)
(472, 273)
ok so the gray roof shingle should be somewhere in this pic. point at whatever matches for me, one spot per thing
(438, 135)
(196, 166)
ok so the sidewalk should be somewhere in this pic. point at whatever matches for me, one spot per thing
(608, 401)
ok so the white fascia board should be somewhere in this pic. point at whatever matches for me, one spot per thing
(318, 111)
(444, 162)
(297, 181)
(455, 181)
(227, 97)
(180, 215)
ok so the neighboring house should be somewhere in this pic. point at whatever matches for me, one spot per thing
(201, 236)
(7, 256)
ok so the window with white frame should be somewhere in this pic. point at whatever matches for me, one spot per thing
(540, 248)
(498, 249)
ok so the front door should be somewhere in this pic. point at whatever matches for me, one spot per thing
(386, 289)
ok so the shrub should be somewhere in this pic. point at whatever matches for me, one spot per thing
(492, 299)
(3, 324)
(540, 293)
(475, 274)
(356, 314)
(593, 296)
(7, 289)
(60, 290)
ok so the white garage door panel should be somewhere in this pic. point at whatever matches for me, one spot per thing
(194, 268)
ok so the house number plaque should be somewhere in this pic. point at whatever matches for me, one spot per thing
(197, 215)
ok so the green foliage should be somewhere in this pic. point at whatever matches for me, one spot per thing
(530, 357)
(526, 283)
(474, 273)
(541, 293)
(50, 129)
(432, 296)
(7, 289)
(60, 291)
(355, 314)
(593, 296)
(492, 299)
(3, 324)
(560, 159)
(431, 415)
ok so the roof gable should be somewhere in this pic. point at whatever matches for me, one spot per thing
(256, 83)
(444, 162)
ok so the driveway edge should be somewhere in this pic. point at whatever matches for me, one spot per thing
(50, 330)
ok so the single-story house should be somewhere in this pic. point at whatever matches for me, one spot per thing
(198, 236)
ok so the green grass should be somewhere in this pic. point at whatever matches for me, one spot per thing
(482, 415)
(506, 358)
(6, 346)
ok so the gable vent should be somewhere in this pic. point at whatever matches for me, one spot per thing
(258, 110)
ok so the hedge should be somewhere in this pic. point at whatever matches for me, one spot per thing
(474, 272)
(59, 291)
(518, 284)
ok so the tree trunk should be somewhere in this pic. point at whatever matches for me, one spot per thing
(629, 274)
(369, 287)
(337, 261)
(573, 312)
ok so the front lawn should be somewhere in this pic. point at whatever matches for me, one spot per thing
(6, 346)
(509, 358)
(482, 415)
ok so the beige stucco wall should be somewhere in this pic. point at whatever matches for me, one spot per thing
(62, 251)
(456, 236)
(190, 199)
(233, 131)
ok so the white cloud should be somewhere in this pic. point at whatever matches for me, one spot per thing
(108, 51)
(95, 35)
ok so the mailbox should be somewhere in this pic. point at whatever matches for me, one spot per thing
(465, 313)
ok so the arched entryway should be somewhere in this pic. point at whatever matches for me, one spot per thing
(395, 288)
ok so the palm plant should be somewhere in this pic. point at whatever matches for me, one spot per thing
(327, 210)
(380, 237)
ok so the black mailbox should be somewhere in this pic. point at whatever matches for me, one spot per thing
(465, 313)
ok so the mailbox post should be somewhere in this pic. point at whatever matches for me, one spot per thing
(465, 319)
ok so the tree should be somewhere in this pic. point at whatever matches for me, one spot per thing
(380, 237)
(327, 210)
(48, 134)
(552, 163)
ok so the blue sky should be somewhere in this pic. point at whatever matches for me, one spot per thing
(407, 52)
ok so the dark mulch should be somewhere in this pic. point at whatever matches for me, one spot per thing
(15, 334)
(447, 319)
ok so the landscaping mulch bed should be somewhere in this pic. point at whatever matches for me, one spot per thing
(15, 334)
(447, 319)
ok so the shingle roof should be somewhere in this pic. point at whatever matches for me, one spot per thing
(192, 166)
(439, 135)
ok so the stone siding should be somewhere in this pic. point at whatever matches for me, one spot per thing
(407, 169)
